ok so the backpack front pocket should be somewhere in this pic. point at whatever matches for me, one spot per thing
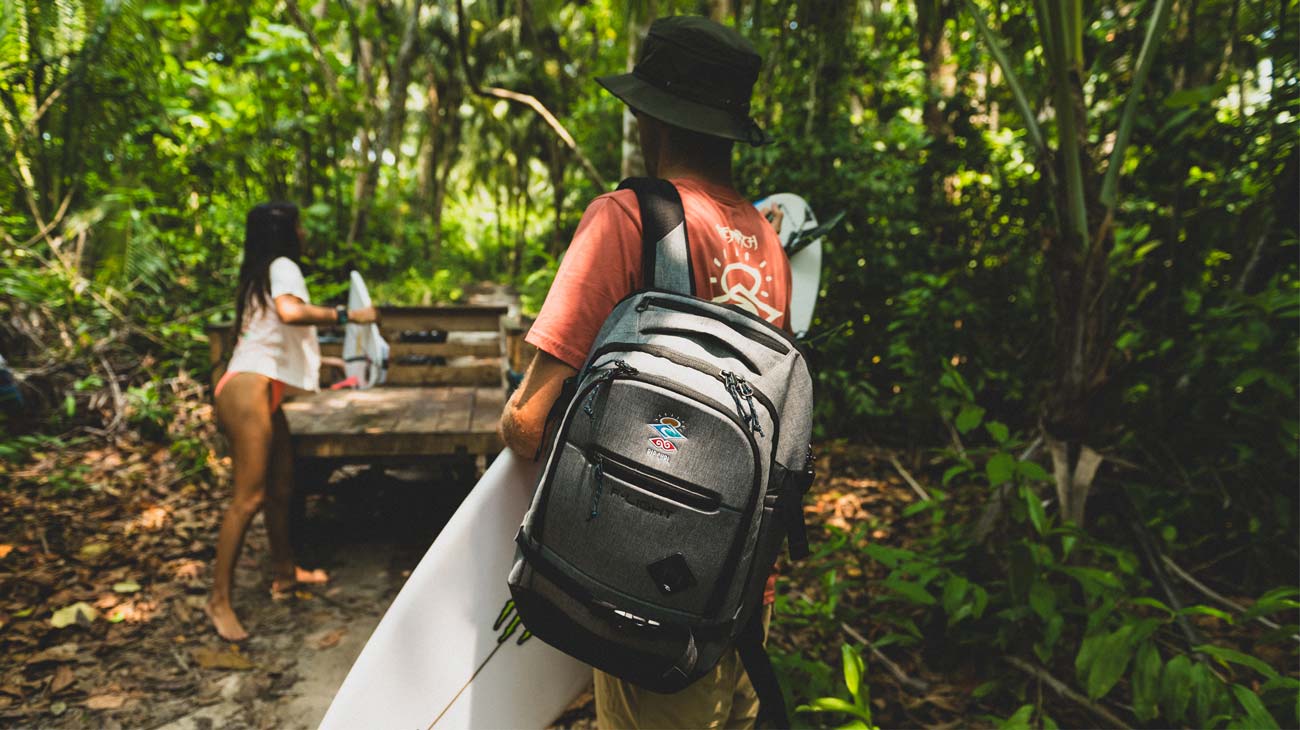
(650, 503)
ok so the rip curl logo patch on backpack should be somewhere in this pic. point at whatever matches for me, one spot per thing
(667, 432)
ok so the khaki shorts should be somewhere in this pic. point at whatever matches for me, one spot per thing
(723, 698)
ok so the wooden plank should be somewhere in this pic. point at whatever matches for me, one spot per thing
(455, 417)
(488, 404)
(345, 412)
(397, 422)
(486, 371)
(487, 348)
(392, 320)
(401, 444)
(424, 413)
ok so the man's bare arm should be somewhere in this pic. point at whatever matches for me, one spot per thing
(523, 422)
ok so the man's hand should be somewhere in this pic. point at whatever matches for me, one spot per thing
(523, 422)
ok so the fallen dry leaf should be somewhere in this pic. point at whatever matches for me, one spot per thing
(5, 550)
(220, 659)
(326, 639)
(61, 653)
(150, 520)
(92, 550)
(188, 570)
(106, 702)
(63, 678)
(78, 613)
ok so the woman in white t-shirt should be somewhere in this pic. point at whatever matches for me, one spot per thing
(276, 352)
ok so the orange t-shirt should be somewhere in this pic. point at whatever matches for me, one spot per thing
(736, 258)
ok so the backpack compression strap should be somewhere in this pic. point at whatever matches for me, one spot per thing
(665, 253)
(753, 655)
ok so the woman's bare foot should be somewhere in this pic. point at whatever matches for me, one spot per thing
(224, 621)
(280, 587)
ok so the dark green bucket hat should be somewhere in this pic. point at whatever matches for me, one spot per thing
(695, 74)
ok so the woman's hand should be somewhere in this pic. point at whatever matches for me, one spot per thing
(365, 315)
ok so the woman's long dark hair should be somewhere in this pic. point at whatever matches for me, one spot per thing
(270, 232)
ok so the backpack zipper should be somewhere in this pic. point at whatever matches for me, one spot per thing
(706, 368)
(599, 476)
(761, 338)
(644, 478)
(620, 366)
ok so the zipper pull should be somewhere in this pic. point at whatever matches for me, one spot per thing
(590, 400)
(732, 384)
(599, 475)
(607, 374)
(748, 391)
(643, 305)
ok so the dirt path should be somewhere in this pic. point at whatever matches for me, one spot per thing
(129, 563)
(303, 648)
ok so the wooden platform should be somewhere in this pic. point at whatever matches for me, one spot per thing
(442, 399)
(388, 422)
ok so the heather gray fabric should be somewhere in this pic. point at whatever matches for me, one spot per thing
(671, 262)
(668, 486)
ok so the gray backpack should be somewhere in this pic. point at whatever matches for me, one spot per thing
(677, 470)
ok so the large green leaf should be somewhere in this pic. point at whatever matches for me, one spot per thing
(834, 704)
(1000, 468)
(1087, 654)
(954, 590)
(1207, 691)
(1113, 655)
(1226, 655)
(1019, 720)
(1032, 471)
(852, 670)
(1258, 716)
(998, 431)
(1042, 600)
(969, 418)
(1278, 599)
(1034, 506)
(1176, 688)
(1146, 682)
(909, 590)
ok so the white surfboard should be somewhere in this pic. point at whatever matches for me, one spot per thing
(365, 353)
(805, 262)
(447, 653)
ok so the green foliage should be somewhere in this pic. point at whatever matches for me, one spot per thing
(859, 708)
(134, 137)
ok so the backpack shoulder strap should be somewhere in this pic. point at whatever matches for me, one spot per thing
(753, 656)
(665, 252)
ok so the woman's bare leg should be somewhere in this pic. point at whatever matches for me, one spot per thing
(284, 571)
(244, 413)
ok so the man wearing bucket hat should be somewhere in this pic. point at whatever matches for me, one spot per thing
(690, 91)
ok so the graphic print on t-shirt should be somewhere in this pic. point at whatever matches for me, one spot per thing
(741, 280)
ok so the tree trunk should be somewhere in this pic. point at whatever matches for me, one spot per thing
(363, 57)
(559, 236)
(718, 10)
(932, 18)
(390, 132)
(639, 17)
